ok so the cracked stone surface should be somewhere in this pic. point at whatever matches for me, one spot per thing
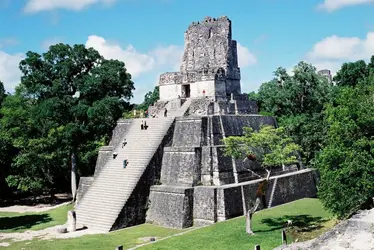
(357, 233)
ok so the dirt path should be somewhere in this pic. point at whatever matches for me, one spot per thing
(25, 209)
(45, 234)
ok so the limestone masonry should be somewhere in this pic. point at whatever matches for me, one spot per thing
(174, 173)
(209, 65)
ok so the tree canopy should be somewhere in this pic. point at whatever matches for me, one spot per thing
(346, 163)
(297, 101)
(269, 146)
(65, 107)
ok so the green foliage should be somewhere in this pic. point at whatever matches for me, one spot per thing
(2, 92)
(271, 146)
(346, 164)
(351, 73)
(149, 99)
(68, 102)
(297, 101)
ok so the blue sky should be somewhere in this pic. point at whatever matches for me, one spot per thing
(148, 34)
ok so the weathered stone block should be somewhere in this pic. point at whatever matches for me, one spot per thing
(181, 166)
(171, 206)
(205, 205)
(187, 132)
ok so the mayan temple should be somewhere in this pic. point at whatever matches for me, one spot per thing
(174, 173)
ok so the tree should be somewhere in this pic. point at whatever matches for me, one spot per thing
(346, 163)
(6, 151)
(297, 102)
(2, 93)
(150, 98)
(270, 147)
(351, 73)
(75, 97)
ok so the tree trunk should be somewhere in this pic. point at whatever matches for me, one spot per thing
(250, 212)
(73, 175)
(248, 226)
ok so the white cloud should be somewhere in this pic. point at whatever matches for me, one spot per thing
(245, 57)
(332, 52)
(9, 71)
(51, 41)
(5, 42)
(171, 55)
(332, 5)
(144, 67)
(136, 62)
(33, 6)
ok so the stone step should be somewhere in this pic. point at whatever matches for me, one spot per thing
(104, 190)
(114, 184)
(103, 212)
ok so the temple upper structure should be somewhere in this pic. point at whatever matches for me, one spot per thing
(209, 65)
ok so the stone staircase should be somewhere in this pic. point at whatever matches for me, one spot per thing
(272, 192)
(104, 200)
(182, 110)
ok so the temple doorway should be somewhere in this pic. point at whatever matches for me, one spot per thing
(186, 91)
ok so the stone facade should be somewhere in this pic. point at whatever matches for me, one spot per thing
(189, 181)
(194, 169)
(326, 73)
(209, 65)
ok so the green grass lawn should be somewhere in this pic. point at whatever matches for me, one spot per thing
(308, 216)
(20, 222)
(127, 238)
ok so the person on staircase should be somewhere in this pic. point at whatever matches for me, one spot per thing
(145, 125)
(166, 113)
(142, 125)
(124, 143)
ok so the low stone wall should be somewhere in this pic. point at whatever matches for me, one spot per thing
(235, 199)
(171, 206)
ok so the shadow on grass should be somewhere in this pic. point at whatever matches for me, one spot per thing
(23, 222)
(301, 223)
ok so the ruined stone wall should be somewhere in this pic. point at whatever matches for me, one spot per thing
(234, 200)
(209, 63)
(181, 207)
(209, 44)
